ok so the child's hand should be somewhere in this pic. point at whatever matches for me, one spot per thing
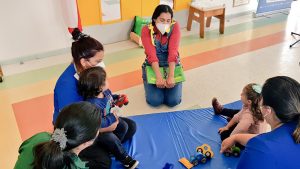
(223, 129)
(116, 111)
(113, 126)
(121, 100)
(227, 144)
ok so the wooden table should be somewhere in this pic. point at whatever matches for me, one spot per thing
(217, 11)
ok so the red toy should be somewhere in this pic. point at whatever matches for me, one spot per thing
(122, 100)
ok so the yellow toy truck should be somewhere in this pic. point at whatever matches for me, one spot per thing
(203, 153)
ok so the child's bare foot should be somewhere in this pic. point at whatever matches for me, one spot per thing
(217, 106)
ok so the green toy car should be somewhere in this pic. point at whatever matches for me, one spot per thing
(234, 151)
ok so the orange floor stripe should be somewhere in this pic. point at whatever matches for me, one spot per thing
(231, 51)
(34, 115)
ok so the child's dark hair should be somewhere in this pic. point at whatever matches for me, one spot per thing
(81, 122)
(161, 9)
(90, 82)
(253, 93)
(84, 46)
(282, 93)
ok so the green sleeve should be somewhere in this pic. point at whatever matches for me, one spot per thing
(26, 157)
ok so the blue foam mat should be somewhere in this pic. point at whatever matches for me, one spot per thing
(166, 137)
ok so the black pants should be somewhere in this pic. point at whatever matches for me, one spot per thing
(112, 141)
(225, 134)
(229, 112)
(98, 156)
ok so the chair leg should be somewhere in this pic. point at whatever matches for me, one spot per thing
(294, 43)
(190, 19)
(202, 23)
(208, 21)
(293, 33)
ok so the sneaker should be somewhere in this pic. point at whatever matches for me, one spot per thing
(130, 163)
(217, 106)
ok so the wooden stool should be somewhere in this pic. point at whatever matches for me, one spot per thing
(1, 74)
(218, 12)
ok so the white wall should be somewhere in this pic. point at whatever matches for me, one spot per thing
(29, 27)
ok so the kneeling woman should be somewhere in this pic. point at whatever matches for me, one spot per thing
(75, 129)
(161, 41)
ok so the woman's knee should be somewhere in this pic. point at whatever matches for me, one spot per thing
(155, 101)
(171, 102)
(154, 95)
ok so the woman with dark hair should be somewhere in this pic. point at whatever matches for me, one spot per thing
(75, 129)
(87, 52)
(161, 42)
(279, 148)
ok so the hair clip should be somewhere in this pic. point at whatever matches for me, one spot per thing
(257, 88)
(59, 136)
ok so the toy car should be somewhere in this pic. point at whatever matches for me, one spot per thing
(206, 150)
(122, 100)
(234, 151)
(198, 158)
(203, 154)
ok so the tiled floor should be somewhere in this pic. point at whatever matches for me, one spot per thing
(251, 50)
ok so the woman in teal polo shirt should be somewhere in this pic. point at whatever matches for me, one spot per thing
(75, 129)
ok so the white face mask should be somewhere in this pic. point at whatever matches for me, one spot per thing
(162, 27)
(100, 64)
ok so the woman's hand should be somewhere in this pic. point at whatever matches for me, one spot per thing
(170, 83)
(223, 129)
(160, 82)
(227, 144)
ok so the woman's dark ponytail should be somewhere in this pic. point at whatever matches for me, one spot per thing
(77, 34)
(50, 156)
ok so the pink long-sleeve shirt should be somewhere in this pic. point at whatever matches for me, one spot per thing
(246, 124)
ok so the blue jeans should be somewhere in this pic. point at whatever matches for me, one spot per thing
(112, 141)
(156, 96)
